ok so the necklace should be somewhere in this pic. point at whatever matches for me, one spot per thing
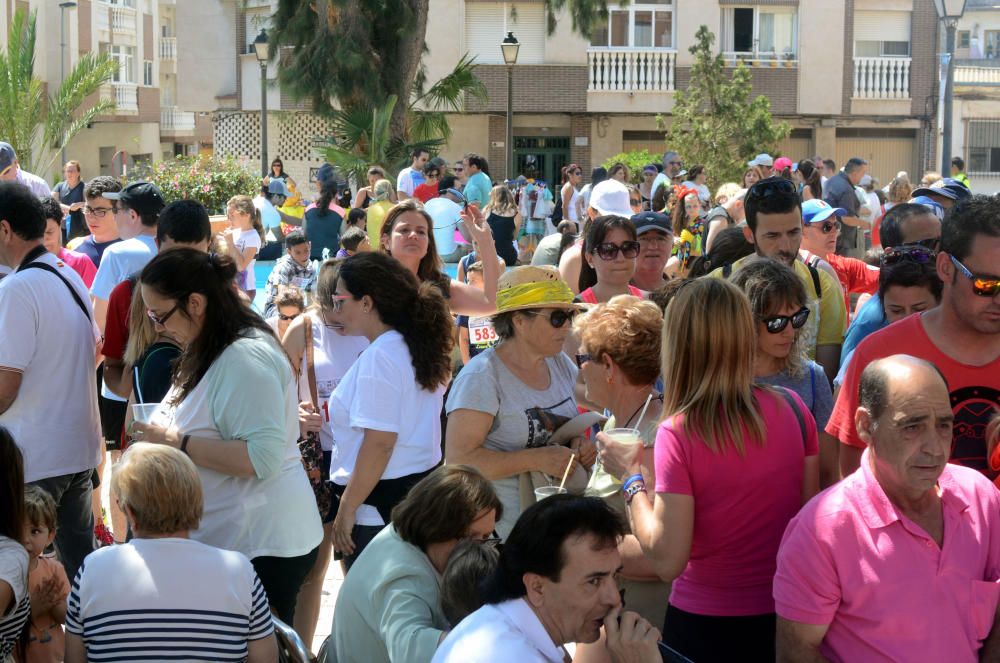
(658, 397)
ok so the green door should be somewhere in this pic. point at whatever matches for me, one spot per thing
(541, 157)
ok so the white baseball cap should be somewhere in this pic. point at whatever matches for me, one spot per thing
(610, 197)
(761, 160)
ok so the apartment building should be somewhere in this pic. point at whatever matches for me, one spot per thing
(147, 123)
(976, 113)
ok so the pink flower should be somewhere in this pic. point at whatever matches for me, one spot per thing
(206, 188)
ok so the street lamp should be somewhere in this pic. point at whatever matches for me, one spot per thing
(263, 50)
(949, 11)
(63, 6)
(509, 46)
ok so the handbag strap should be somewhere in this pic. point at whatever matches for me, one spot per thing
(310, 364)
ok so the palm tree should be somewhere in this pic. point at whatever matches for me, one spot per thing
(35, 124)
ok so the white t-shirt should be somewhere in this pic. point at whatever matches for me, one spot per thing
(273, 513)
(154, 599)
(408, 180)
(508, 631)
(269, 216)
(660, 180)
(380, 392)
(703, 193)
(446, 214)
(47, 338)
(245, 239)
(571, 212)
(13, 571)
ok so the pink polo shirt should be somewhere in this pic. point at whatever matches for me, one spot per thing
(81, 264)
(850, 560)
(742, 504)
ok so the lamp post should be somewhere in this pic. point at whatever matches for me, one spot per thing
(948, 11)
(63, 6)
(509, 46)
(263, 50)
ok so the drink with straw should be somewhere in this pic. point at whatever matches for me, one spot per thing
(625, 436)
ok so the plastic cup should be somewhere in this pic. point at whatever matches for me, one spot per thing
(625, 436)
(548, 491)
(143, 412)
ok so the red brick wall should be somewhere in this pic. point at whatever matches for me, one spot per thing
(149, 37)
(780, 85)
(83, 15)
(537, 89)
(579, 126)
(497, 156)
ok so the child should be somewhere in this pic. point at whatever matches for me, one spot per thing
(352, 241)
(288, 305)
(292, 269)
(476, 334)
(243, 240)
(47, 583)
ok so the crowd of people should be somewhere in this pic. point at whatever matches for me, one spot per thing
(636, 423)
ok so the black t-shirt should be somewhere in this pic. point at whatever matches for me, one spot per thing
(156, 367)
(323, 231)
(68, 196)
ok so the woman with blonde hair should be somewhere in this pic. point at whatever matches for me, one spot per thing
(505, 222)
(383, 198)
(243, 240)
(150, 354)
(734, 462)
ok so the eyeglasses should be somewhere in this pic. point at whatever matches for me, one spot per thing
(161, 319)
(609, 250)
(634, 202)
(827, 227)
(337, 302)
(776, 324)
(582, 358)
(458, 169)
(911, 252)
(984, 286)
(286, 318)
(557, 318)
(771, 187)
(6, 170)
(99, 212)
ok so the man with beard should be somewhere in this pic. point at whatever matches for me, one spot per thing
(656, 237)
(774, 226)
(961, 337)
(554, 584)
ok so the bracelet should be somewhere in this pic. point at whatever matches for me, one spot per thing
(634, 489)
(184, 444)
(630, 480)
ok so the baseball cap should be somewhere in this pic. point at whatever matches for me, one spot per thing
(7, 157)
(782, 162)
(762, 159)
(277, 185)
(610, 197)
(947, 187)
(814, 211)
(143, 197)
(931, 204)
(646, 221)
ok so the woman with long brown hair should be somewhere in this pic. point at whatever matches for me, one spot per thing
(734, 462)
(808, 178)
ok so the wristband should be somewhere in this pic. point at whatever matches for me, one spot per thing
(630, 480)
(184, 444)
(634, 489)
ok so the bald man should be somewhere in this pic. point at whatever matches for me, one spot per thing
(900, 561)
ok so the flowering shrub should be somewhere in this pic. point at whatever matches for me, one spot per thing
(210, 180)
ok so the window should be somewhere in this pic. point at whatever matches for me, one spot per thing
(992, 40)
(880, 34)
(647, 24)
(122, 3)
(983, 151)
(963, 39)
(125, 55)
(487, 23)
(147, 73)
(257, 19)
(767, 31)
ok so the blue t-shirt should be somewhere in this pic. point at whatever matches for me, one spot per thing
(477, 189)
(121, 260)
(94, 250)
(867, 320)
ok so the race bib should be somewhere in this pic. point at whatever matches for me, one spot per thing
(481, 334)
(325, 389)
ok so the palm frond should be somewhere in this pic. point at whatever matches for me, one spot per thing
(90, 73)
(448, 93)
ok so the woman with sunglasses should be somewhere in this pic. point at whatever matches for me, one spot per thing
(321, 351)
(610, 250)
(569, 194)
(509, 399)
(689, 225)
(385, 412)
(734, 463)
(429, 187)
(232, 408)
(778, 302)
(407, 236)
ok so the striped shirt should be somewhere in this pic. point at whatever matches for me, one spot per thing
(167, 599)
(14, 572)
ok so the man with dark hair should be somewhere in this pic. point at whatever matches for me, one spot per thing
(899, 561)
(958, 171)
(774, 226)
(99, 215)
(555, 584)
(11, 171)
(48, 395)
(839, 192)
(292, 269)
(961, 337)
(413, 176)
(478, 183)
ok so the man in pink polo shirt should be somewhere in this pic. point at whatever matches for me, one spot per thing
(900, 561)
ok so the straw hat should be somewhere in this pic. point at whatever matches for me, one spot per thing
(530, 287)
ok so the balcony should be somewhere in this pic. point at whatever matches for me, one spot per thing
(978, 79)
(882, 78)
(118, 20)
(630, 69)
(773, 60)
(125, 96)
(168, 48)
(174, 121)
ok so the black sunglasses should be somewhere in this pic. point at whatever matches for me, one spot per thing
(609, 250)
(932, 243)
(776, 324)
(282, 316)
(828, 226)
(557, 318)
(772, 186)
(582, 358)
(911, 252)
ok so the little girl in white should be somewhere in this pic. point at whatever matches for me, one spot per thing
(243, 240)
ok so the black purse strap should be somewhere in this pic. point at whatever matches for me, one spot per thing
(28, 263)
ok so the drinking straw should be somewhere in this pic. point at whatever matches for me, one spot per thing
(138, 392)
(569, 466)
(643, 413)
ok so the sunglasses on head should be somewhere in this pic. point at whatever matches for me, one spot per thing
(984, 286)
(771, 187)
(777, 323)
(932, 243)
(827, 226)
(609, 250)
(911, 252)
(557, 318)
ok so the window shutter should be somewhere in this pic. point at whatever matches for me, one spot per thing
(881, 26)
(487, 23)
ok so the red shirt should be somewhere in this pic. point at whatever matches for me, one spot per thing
(855, 275)
(975, 390)
(425, 192)
(116, 327)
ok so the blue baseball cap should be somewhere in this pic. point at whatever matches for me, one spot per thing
(928, 202)
(815, 210)
(947, 187)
